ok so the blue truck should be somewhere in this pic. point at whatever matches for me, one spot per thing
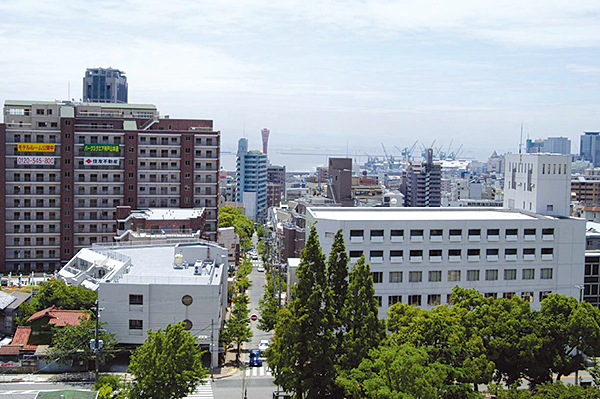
(255, 358)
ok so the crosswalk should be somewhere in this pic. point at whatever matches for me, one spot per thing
(263, 371)
(202, 392)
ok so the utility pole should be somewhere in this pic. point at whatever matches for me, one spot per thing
(96, 341)
(212, 348)
(580, 287)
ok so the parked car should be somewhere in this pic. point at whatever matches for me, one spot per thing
(260, 268)
(264, 345)
(255, 360)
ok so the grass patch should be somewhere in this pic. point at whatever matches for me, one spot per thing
(67, 395)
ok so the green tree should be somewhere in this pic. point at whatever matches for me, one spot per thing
(244, 227)
(72, 343)
(363, 328)
(337, 278)
(402, 372)
(63, 296)
(557, 390)
(237, 327)
(302, 352)
(268, 306)
(167, 365)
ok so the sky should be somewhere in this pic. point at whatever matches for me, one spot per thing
(337, 77)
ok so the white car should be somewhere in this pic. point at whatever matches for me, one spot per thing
(260, 268)
(264, 345)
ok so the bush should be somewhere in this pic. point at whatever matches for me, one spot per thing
(114, 381)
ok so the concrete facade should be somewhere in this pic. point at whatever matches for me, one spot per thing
(417, 256)
(339, 181)
(424, 183)
(551, 145)
(105, 85)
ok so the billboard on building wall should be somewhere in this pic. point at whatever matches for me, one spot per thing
(31, 160)
(101, 161)
(35, 147)
(100, 148)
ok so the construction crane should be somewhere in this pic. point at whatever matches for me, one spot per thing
(387, 158)
(407, 152)
(453, 155)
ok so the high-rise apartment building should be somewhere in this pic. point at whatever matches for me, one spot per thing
(589, 148)
(424, 183)
(104, 85)
(68, 166)
(251, 181)
(551, 145)
(275, 185)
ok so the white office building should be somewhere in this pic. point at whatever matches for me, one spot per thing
(143, 287)
(417, 256)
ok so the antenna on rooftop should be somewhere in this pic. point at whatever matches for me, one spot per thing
(69, 89)
(521, 140)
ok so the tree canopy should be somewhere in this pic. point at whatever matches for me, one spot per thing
(244, 226)
(167, 365)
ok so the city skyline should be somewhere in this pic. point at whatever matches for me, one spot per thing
(326, 73)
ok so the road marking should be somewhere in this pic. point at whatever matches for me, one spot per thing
(262, 371)
(202, 392)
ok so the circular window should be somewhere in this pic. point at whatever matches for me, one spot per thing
(188, 325)
(187, 300)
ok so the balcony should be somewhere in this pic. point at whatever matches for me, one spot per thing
(473, 258)
(510, 258)
(396, 259)
(416, 259)
(435, 259)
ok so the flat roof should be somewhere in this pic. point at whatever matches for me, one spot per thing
(154, 265)
(169, 213)
(410, 214)
(29, 103)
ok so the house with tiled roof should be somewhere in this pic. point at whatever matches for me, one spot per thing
(12, 354)
(41, 322)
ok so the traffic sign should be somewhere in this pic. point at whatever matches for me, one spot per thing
(253, 317)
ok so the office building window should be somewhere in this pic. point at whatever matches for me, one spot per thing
(415, 277)
(453, 275)
(508, 295)
(379, 300)
(510, 274)
(491, 274)
(435, 276)
(528, 274)
(491, 295)
(395, 277)
(527, 296)
(414, 300)
(393, 299)
(434, 299)
(377, 277)
(472, 275)
(546, 274)
(544, 295)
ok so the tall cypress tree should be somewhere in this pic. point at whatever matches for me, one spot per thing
(364, 329)
(302, 353)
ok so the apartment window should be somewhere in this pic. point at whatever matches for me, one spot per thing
(130, 187)
(415, 277)
(546, 274)
(136, 299)
(379, 300)
(395, 277)
(454, 252)
(455, 232)
(394, 299)
(414, 300)
(547, 251)
(491, 295)
(453, 275)
(434, 299)
(473, 252)
(472, 275)
(491, 252)
(547, 232)
(356, 233)
(510, 274)
(474, 232)
(435, 253)
(549, 208)
(397, 233)
(377, 277)
(491, 274)
(510, 251)
(529, 232)
(528, 274)
(435, 276)
(436, 233)
(376, 233)
(508, 295)
(544, 295)
(135, 324)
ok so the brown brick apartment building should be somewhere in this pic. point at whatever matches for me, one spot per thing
(68, 166)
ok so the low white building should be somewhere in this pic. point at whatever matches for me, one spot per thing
(418, 255)
(143, 287)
